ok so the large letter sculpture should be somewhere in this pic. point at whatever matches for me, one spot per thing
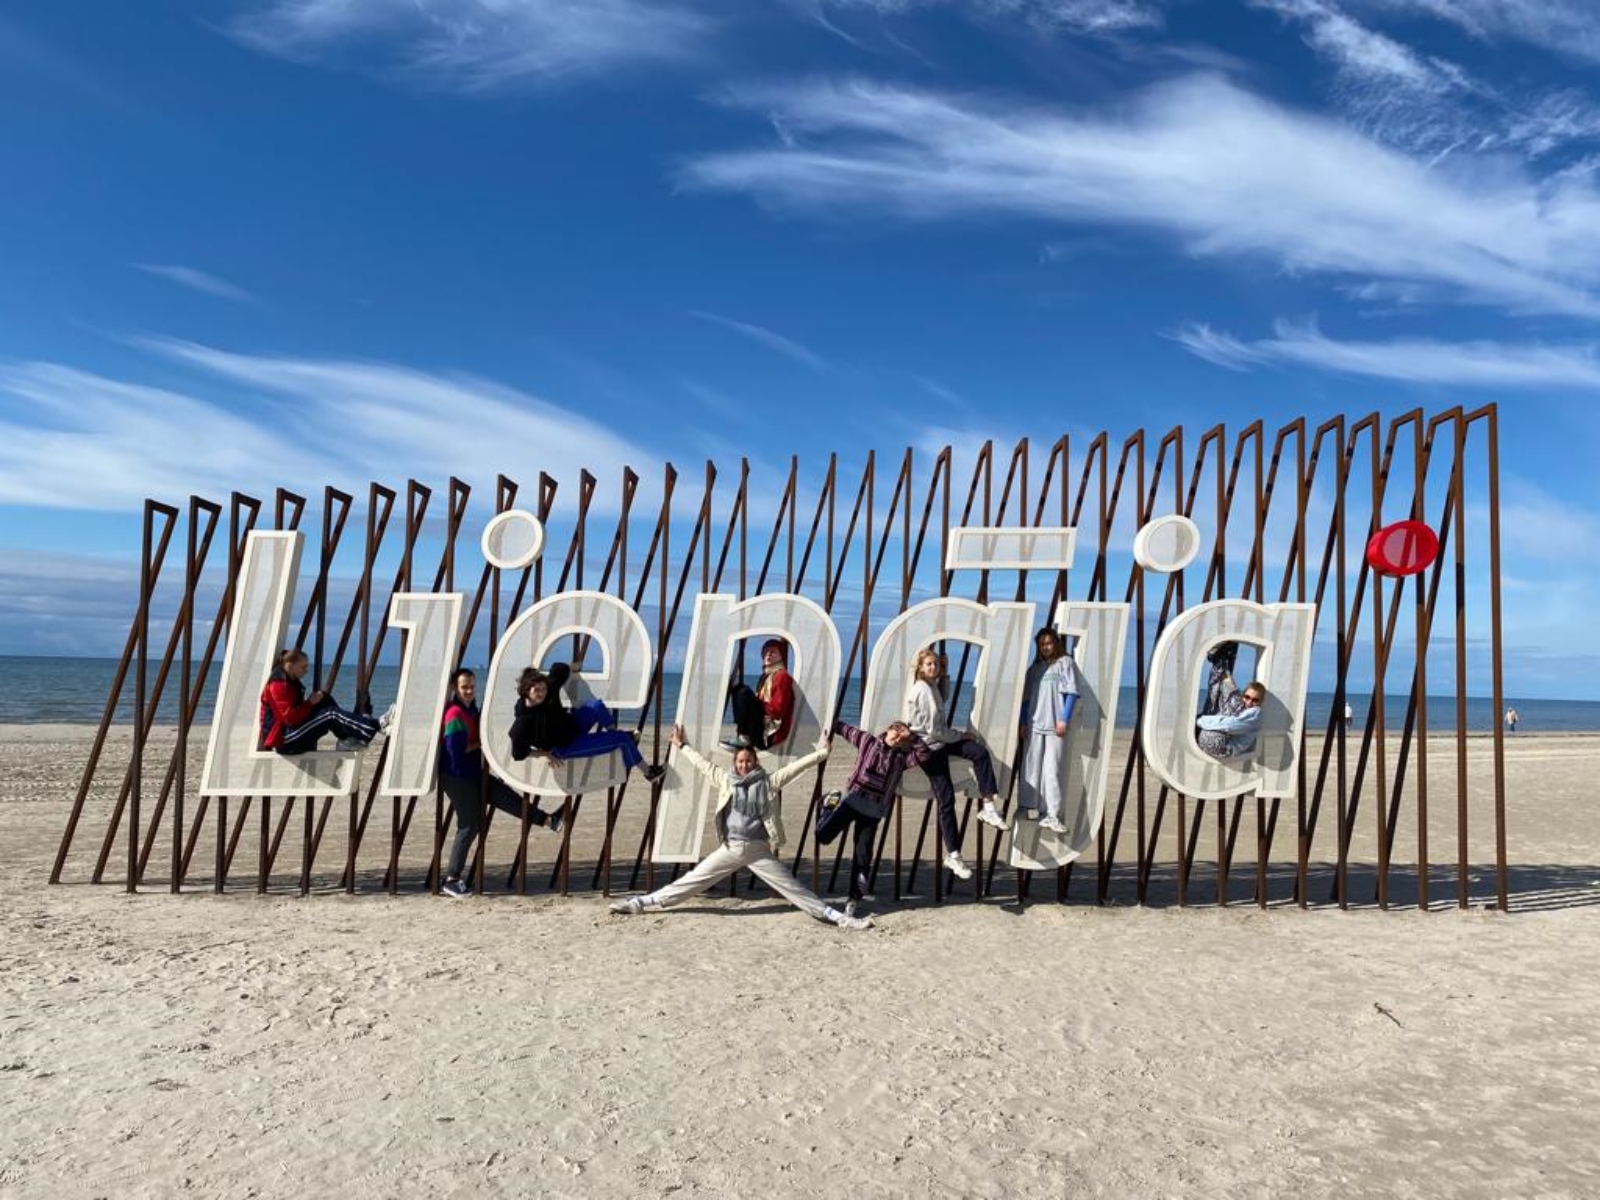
(626, 658)
(1003, 633)
(235, 766)
(719, 623)
(432, 626)
(1283, 633)
(1101, 632)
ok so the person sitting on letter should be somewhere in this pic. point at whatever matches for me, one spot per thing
(1231, 730)
(292, 722)
(763, 715)
(749, 823)
(925, 713)
(544, 725)
(871, 788)
(1049, 697)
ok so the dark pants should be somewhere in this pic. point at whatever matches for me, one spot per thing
(327, 717)
(937, 768)
(466, 797)
(749, 715)
(864, 815)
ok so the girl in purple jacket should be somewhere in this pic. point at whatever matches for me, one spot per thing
(880, 761)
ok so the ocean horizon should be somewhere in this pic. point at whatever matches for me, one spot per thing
(41, 690)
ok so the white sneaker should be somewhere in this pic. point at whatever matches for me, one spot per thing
(846, 921)
(956, 866)
(631, 907)
(386, 720)
(1053, 825)
(989, 815)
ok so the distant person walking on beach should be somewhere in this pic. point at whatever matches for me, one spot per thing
(1232, 717)
(867, 795)
(1512, 717)
(545, 726)
(292, 722)
(1349, 715)
(1049, 696)
(750, 832)
(764, 714)
(925, 714)
(461, 775)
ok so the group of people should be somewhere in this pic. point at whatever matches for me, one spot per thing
(748, 817)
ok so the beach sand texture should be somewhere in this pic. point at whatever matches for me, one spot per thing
(271, 1046)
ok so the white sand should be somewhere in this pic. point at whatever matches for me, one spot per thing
(368, 1046)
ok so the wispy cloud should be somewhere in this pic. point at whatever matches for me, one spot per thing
(1200, 159)
(254, 422)
(1072, 16)
(1567, 27)
(1416, 360)
(787, 347)
(480, 45)
(199, 281)
(1362, 52)
(1425, 103)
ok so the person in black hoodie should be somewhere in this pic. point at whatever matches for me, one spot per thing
(544, 725)
(292, 722)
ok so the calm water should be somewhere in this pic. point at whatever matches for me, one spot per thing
(74, 690)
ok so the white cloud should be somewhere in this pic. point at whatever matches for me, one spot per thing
(1567, 27)
(1416, 360)
(1362, 52)
(1424, 103)
(481, 45)
(1548, 529)
(1200, 159)
(199, 281)
(73, 439)
(1072, 16)
(775, 342)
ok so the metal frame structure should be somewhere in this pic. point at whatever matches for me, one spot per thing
(1359, 472)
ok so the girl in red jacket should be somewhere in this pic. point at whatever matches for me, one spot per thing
(292, 722)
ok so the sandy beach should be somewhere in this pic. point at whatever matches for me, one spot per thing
(510, 1045)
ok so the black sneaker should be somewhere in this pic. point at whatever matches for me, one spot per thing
(863, 887)
(453, 888)
(553, 821)
(651, 774)
(737, 743)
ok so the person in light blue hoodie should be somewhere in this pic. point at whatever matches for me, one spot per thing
(1231, 731)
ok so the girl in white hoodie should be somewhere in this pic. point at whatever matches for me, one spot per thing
(925, 713)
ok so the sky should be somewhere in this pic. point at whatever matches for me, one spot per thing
(246, 243)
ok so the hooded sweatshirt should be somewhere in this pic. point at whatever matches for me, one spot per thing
(283, 706)
(768, 798)
(546, 725)
(876, 777)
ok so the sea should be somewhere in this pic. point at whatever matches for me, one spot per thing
(73, 691)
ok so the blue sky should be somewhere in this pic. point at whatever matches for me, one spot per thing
(308, 241)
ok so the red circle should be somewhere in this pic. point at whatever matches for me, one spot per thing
(1403, 548)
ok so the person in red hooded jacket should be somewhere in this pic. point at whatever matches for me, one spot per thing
(292, 722)
(764, 714)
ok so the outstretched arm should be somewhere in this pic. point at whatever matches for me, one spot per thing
(718, 778)
(849, 733)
